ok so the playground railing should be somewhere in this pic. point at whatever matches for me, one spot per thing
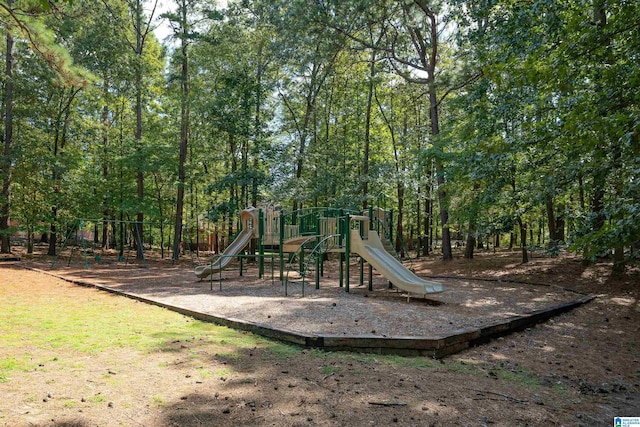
(297, 254)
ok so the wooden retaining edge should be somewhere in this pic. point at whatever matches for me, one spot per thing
(435, 347)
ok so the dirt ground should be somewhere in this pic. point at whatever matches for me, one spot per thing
(581, 368)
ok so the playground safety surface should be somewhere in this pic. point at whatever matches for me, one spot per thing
(470, 311)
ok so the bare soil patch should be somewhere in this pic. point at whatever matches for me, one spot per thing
(581, 368)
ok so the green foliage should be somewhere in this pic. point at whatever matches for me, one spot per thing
(550, 116)
(539, 114)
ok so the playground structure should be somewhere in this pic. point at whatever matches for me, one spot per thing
(307, 236)
(243, 239)
(299, 242)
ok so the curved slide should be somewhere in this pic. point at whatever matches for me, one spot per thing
(240, 242)
(374, 253)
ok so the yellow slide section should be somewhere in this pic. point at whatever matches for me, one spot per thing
(223, 260)
(372, 251)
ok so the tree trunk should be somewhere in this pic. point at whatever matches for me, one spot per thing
(560, 223)
(367, 131)
(447, 254)
(160, 213)
(581, 192)
(59, 142)
(618, 261)
(257, 128)
(53, 231)
(597, 206)
(301, 148)
(473, 225)
(6, 163)
(400, 229)
(184, 132)
(29, 240)
(551, 221)
(105, 165)
(523, 240)
(244, 186)
(471, 242)
(139, 174)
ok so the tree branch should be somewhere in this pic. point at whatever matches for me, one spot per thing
(467, 81)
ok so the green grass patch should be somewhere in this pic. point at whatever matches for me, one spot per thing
(158, 401)
(521, 377)
(225, 372)
(203, 372)
(281, 351)
(464, 368)
(13, 364)
(96, 322)
(327, 370)
(98, 398)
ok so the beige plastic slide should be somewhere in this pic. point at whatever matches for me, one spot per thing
(374, 253)
(240, 242)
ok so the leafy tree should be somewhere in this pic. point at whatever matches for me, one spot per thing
(566, 71)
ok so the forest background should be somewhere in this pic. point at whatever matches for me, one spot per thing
(499, 121)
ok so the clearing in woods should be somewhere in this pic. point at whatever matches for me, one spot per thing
(74, 356)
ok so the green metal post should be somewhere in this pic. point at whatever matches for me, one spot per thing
(318, 253)
(219, 274)
(370, 267)
(361, 278)
(340, 243)
(260, 244)
(301, 258)
(390, 225)
(281, 246)
(347, 253)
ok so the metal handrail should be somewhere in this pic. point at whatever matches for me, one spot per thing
(317, 249)
(292, 257)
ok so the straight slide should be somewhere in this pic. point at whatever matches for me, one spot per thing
(240, 242)
(375, 254)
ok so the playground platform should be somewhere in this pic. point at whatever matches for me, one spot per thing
(469, 312)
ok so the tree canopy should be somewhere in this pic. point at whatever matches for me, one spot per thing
(483, 122)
